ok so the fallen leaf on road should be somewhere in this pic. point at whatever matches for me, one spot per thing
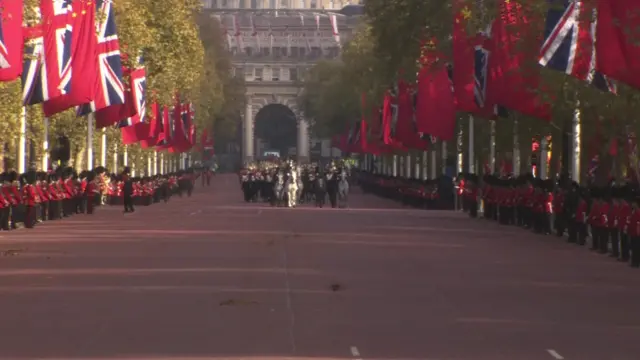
(236, 302)
(271, 242)
(13, 252)
(336, 287)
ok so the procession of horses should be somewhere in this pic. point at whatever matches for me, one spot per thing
(287, 184)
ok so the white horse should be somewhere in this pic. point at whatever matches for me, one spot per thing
(343, 189)
(291, 187)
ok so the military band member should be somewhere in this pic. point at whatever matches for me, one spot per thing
(624, 214)
(612, 225)
(633, 230)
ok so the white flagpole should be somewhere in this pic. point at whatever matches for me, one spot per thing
(125, 157)
(162, 164)
(22, 145)
(115, 159)
(155, 163)
(103, 148)
(89, 141)
(45, 146)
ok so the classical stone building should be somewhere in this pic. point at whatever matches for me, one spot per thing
(274, 42)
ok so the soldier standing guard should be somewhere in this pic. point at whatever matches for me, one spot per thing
(633, 228)
(127, 190)
(30, 199)
(614, 215)
(624, 213)
(90, 192)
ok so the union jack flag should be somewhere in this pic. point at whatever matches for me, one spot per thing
(481, 62)
(139, 93)
(112, 87)
(4, 54)
(569, 45)
(47, 62)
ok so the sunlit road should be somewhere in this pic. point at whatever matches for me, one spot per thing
(210, 277)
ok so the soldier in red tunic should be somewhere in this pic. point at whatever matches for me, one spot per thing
(5, 204)
(633, 229)
(43, 206)
(595, 218)
(30, 199)
(624, 213)
(612, 222)
(90, 191)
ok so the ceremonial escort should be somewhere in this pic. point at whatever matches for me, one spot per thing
(287, 184)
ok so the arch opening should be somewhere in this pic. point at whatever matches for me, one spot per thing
(276, 130)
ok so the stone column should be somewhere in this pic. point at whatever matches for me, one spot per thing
(303, 141)
(247, 138)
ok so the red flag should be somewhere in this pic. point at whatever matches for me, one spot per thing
(463, 59)
(135, 133)
(435, 109)
(510, 83)
(617, 52)
(11, 42)
(408, 133)
(83, 63)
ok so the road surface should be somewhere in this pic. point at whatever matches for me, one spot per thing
(210, 277)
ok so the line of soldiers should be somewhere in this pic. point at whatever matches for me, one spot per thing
(33, 197)
(606, 217)
(423, 194)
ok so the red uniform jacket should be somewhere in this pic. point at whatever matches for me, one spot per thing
(624, 213)
(614, 210)
(42, 193)
(581, 212)
(29, 195)
(633, 227)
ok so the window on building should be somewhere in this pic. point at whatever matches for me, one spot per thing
(238, 71)
(294, 52)
(258, 74)
(254, 4)
(225, 4)
(313, 4)
(303, 52)
(293, 74)
(277, 52)
(248, 72)
(275, 74)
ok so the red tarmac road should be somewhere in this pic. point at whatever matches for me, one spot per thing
(210, 277)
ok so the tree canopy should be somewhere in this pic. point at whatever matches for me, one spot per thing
(386, 46)
(183, 52)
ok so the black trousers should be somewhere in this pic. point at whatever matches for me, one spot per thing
(624, 247)
(635, 251)
(128, 203)
(615, 242)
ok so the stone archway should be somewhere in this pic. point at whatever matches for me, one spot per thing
(283, 106)
(276, 128)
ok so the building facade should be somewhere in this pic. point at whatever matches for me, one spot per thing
(274, 43)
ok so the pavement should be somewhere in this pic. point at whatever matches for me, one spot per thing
(212, 277)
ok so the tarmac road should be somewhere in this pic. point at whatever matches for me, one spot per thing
(211, 277)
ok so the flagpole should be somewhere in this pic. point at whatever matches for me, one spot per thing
(444, 158)
(103, 148)
(45, 145)
(425, 165)
(22, 145)
(575, 141)
(161, 163)
(471, 154)
(90, 141)
(516, 149)
(115, 158)
(434, 164)
(155, 163)
(542, 162)
(492, 147)
(125, 156)
(149, 168)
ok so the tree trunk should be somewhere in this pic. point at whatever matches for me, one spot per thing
(79, 158)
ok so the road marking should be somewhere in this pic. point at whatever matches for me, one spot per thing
(196, 212)
(555, 354)
(355, 353)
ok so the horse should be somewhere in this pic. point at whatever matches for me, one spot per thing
(343, 189)
(300, 191)
(291, 187)
(277, 196)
